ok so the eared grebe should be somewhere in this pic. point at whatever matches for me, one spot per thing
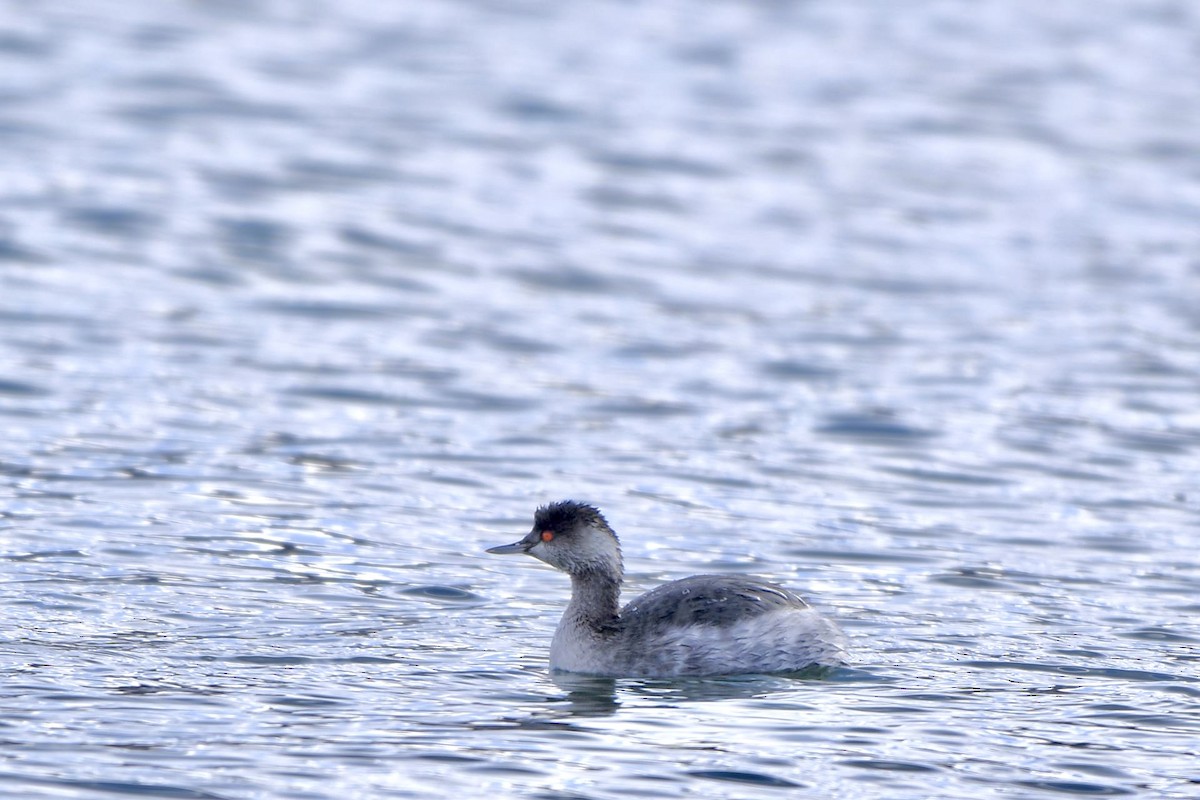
(703, 625)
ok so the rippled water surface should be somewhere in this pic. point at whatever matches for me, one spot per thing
(302, 305)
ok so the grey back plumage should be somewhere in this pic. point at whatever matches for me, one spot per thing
(715, 600)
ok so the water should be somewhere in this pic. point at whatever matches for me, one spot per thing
(305, 304)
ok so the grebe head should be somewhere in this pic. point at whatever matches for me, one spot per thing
(573, 537)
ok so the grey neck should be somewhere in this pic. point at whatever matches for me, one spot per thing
(595, 598)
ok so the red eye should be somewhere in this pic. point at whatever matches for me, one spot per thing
(547, 535)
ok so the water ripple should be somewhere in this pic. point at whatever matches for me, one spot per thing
(304, 305)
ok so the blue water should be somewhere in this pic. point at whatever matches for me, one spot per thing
(303, 305)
